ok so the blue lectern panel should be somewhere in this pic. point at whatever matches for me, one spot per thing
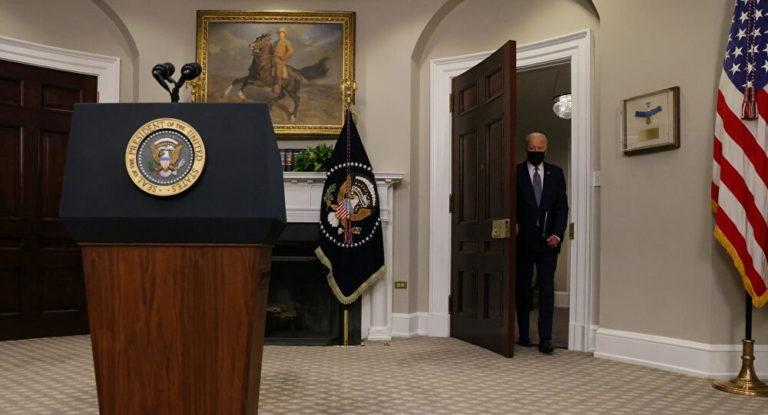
(238, 198)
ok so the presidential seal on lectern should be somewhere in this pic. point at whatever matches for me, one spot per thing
(165, 157)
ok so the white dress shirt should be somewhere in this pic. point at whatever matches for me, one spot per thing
(541, 172)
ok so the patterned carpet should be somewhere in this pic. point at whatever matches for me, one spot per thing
(414, 376)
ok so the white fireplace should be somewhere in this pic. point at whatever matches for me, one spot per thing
(303, 192)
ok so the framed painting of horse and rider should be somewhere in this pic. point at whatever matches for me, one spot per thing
(295, 61)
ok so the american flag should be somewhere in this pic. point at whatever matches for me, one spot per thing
(342, 212)
(342, 209)
(740, 173)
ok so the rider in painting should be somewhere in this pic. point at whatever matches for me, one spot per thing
(282, 52)
(295, 68)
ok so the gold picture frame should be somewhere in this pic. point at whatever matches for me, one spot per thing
(240, 54)
(652, 122)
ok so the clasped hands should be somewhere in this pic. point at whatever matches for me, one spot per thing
(552, 241)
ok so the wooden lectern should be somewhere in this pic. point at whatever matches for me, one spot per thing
(176, 284)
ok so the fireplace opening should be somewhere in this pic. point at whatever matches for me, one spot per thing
(301, 309)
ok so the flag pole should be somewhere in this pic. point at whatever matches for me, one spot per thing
(346, 326)
(348, 88)
(747, 382)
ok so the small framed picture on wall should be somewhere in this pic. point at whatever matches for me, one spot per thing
(652, 122)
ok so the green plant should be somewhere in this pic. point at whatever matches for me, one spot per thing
(313, 158)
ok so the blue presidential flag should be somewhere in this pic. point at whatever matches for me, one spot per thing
(351, 242)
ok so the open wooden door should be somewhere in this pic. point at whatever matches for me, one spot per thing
(483, 203)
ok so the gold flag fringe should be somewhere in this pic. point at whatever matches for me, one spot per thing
(346, 300)
(757, 301)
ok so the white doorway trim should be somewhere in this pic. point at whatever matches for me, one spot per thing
(106, 68)
(575, 48)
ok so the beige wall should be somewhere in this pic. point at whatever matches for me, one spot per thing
(659, 270)
(72, 24)
(475, 26)
(165, 31)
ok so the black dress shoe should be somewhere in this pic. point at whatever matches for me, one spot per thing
(525, 342)
(546, 347)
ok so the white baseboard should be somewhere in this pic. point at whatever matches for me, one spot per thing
(438, 324)
(592, 339)
(714, 361)
(409, 325)
(380, 334)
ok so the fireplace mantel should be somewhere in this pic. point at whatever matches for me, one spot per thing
(303, 193)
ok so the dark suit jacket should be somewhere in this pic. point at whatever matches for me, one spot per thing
(552, 213)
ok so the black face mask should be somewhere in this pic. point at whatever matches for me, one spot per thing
(535, 157)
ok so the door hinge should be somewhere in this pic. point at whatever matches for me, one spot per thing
(450, 303)
(450, 102)
(450, 203)
(571, 230)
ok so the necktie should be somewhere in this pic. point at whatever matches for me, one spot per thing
(537, 185)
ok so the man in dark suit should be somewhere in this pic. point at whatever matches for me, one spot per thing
(542, 216)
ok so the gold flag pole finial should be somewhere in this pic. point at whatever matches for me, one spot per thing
(348, 89)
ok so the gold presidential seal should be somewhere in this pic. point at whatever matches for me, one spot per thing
(165, 157)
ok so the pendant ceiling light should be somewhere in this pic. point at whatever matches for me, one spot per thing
(563, 103)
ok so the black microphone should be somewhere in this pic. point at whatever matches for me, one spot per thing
(190, 71)
(168, 70)
(162, 73)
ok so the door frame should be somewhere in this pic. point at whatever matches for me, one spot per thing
(105, 68)
(575, 48)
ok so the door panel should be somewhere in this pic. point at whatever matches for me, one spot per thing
(483, 187)
(469, 182)
(61, 98)
(41, 278)
(468, 100)
(54, 145)
(10, 92)
(10, 284)
(495, 147)
(10, 172)
(61, 289)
